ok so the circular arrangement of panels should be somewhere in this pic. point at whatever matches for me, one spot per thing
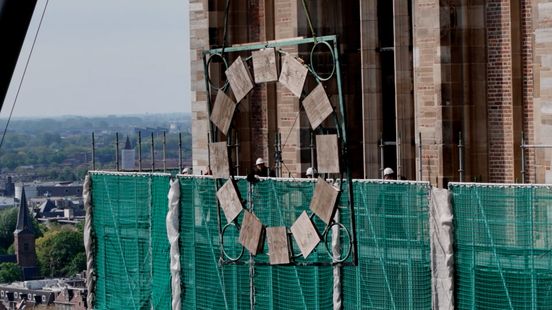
(317, 106)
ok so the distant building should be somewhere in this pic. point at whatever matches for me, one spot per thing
(128, 156)
(9, 187)
(24, 241)
(65, 294)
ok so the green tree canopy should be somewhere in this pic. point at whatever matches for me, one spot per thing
(59, 252)
(8, 221)
(10, 272)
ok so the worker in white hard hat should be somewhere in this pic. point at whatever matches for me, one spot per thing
(388, 174)
(187, 171)
(261, 170)
(311, 172)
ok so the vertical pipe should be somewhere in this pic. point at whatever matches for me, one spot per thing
(522, 157)
(140, 151)
(208, 154)
(420, 162)
(312, 148)
(93, 152)
(117, 151)
(381, 158)
(399, 156)
(152, 154)
(230, 148)
(164, 151)
(237, 153)
(460, 157)
(280, 154)
(180, 152)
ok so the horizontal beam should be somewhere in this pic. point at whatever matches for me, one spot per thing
(268, 44)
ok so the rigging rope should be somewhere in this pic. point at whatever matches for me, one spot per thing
(23, 75)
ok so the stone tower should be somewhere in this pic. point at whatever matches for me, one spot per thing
(24, 239)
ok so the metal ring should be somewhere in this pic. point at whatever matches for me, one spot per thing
(312, 62)
(293, 255)
(338, 259)
(208, 75)
(230, 258)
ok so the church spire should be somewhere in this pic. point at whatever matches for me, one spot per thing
(24, 223)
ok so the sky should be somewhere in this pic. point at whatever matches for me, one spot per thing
(102, 57)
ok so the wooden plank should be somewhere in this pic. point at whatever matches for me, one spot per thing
(239, 78)
(223, 112)
(264, 65)
(327, 151)
(293, 75)
(251, 233)
(278, 245)
(317, 106)
(219, 160)
(229, 201)
(305, 234)
(324, 200)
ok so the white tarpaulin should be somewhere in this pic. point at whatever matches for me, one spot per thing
(442, 260)
(173, 235)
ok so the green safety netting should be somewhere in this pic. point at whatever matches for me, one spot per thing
(131, 245)
(394, 247)
(503, 242)
(394, 255)
(132, 250)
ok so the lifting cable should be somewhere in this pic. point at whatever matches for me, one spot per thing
(23, 75)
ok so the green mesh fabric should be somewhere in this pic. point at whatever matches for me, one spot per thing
(132, 251)
(394, 257)
(394, 249)
(131, 245)
(503, 239)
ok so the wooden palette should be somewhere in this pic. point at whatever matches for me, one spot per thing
(264, 65)
(293, 75)
(305, 234)
(251, 233)
(239, 78)
(278, 245)
(317, 106)
(219, 159)
(223, 112)
(229, 200)
(327, 150)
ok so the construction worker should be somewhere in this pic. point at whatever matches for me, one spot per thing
(311, 173)
(261, 170)
(388, 174)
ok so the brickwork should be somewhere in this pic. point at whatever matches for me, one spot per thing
(542, 89)
(371, 87)
(199, 41)
(526, 16)
(427, 91)
(500, 121)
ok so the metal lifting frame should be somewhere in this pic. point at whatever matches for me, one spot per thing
(341, 122)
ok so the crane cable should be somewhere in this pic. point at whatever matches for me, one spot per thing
(23, 75)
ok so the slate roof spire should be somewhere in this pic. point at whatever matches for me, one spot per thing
(24, 223)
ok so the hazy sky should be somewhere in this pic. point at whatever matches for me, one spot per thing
(101, 57)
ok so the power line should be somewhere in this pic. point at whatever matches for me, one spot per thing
(23, 75)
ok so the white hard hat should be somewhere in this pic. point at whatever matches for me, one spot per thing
(187, 171)
(259, 161)
(311, 171)
(388, 171)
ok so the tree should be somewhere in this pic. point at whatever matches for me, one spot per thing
(59, 252)
(10, 272)
(8, 221)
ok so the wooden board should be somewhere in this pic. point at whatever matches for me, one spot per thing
(264, 65)
(223, 112)
(229, 201)
(219, 160)
(251, 233)
(293, 75)
(278, 245)
(324, 200)
(239, 78)
(327, 151)
(317, 106)
(305, 234)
